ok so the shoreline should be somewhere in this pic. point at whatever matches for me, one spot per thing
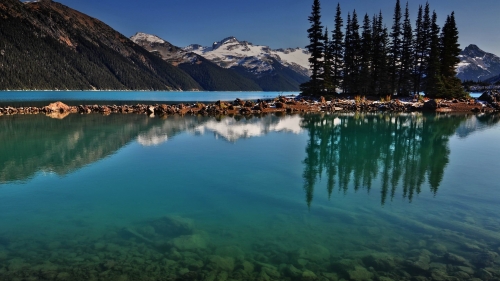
(277, 105)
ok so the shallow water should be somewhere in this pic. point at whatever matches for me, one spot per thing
(301, 197)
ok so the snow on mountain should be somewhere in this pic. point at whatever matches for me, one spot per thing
(231, 52)
(477, 65)
(139, 36)
(155, 44)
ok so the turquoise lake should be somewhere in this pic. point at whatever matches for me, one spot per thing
(273, 197)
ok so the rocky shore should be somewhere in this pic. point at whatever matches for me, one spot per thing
(488, 102)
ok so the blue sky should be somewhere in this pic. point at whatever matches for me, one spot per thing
(276, 23)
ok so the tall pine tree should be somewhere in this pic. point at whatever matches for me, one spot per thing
(433, 82)
(405, 81)
(352, 51)
(396, 46)
(316, 48)
(337, 49)
(380, 63)
(366, 56)
(450, 50)
(327, 66)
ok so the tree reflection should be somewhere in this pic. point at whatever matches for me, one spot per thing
(402, 151)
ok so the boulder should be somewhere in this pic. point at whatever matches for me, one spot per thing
(57, 107)
(189, 242)
(172, 226)
(220, 263)
(430, 105)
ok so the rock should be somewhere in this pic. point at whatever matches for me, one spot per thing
(314, 253)
(465, 269)
(485, 274)
(189, 242)
(308, 275)
(360, 273)
(63, 276)
(456, 259)
(57, 107)
(430, 105)
(220, 263)
(230, 251)
(380, 262)
(322, 99)
(293, 272)
(247, 267)
(269, 270)
(173, 226)
(279, 105)
(439, 249)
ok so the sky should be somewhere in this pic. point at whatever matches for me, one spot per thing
(276, 23)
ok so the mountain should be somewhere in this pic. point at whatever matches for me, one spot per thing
(272, 70)
(207, 74)
(46, 45)
(477, 65)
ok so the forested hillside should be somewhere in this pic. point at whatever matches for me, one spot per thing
(46, 45)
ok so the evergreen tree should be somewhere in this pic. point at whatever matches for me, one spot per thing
(396, 47)
(337, 49)
(423, 47)
(327, 66)
(406, 56)
(450, 50)
(352, 50)
(380, 71)
(346, 82)
(417, 54)
(433, 83)
(366, 56)
(316, 50)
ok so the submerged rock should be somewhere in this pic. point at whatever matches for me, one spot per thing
(189, 242)
(360, 273)
(173, 226)
(380, 262)
(220, 263)
(314, 253)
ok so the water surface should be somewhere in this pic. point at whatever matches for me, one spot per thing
(300, 197)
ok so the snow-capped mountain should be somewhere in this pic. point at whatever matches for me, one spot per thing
(477, 65)
(233, 65)
(230, 52)
(155, 44)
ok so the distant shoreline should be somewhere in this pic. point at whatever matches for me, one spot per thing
(249, 107)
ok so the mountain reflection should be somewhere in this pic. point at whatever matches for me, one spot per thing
(401, 151)
(227, 128)
(34, 143)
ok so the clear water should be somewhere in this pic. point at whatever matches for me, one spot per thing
(301, 197)
(42, 98)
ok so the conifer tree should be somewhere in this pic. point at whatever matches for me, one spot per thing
(352, 50)
(417, 54)
(346, 82)
(380, 71)
(337, 49)
(327, 66)
(406, 56)
(366, 56)
(395, 54)
(450, 50)
(316, 49)
(433, 83)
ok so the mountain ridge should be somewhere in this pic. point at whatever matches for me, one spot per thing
(47, 45)
(477, 65)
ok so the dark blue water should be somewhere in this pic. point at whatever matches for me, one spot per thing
(302, 197)
(34, 98)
